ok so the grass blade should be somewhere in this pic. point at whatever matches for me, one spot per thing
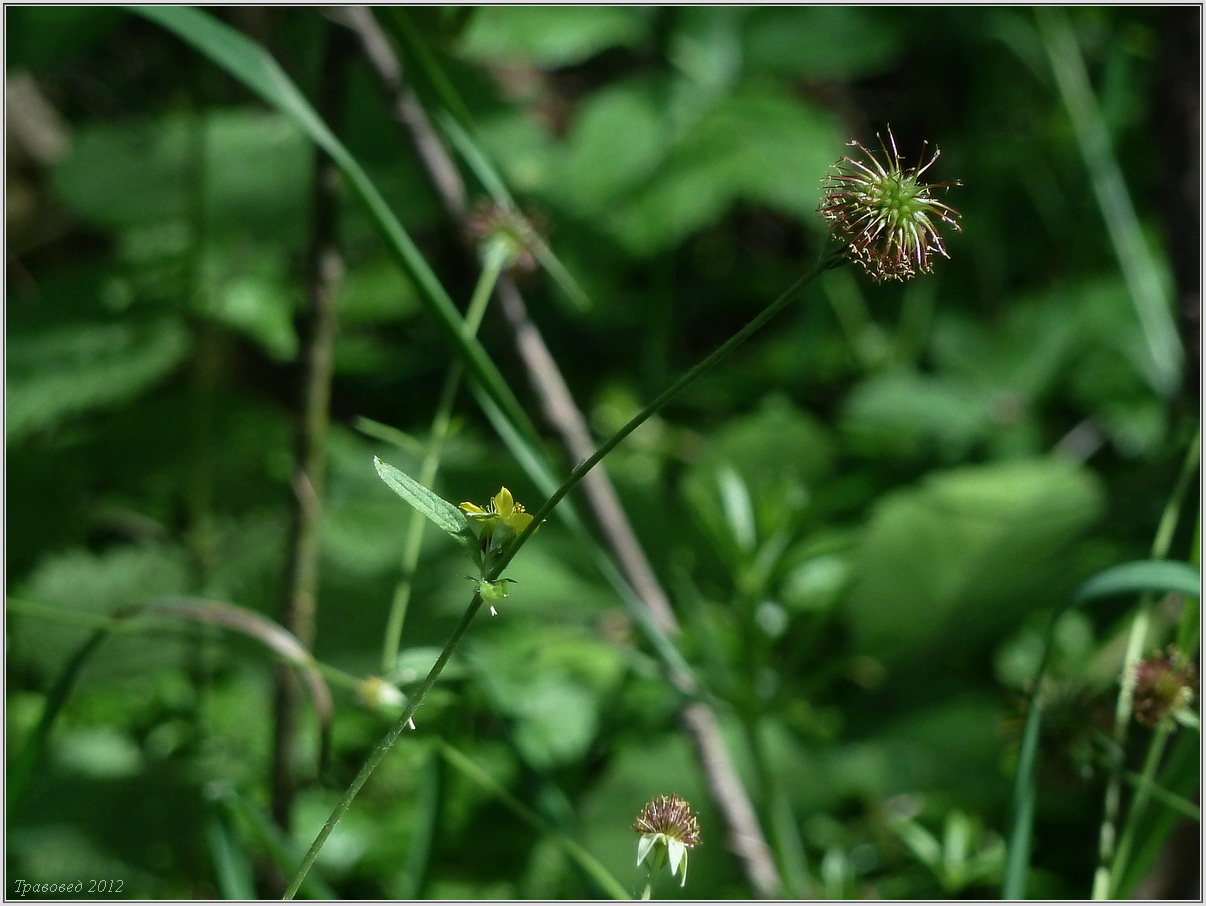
(588, 863)
(252, 65)
(1138, 264)
(1126, 578)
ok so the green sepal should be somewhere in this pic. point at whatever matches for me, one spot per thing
(644, 845)
(676, 852)
(492, 591)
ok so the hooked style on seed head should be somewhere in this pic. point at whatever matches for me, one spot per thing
(885, 214)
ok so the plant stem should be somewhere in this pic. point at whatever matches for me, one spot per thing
(324, 265)
(1165, 356)
(385, 745)
(1139, 802)
(832, 256)
(589, 864)
(495, 260)
(1110, 860)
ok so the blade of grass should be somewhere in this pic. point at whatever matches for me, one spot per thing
(232, 871)
(1189, 631)
(1177, 803)
(457, 124)
(282, 849)
(591, 866)
(1109, 864)
(1181, 771)
(428, 807)
(1139, 267)
(1127, 578)
(252, 65)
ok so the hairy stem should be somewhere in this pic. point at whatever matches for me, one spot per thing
(744, 832)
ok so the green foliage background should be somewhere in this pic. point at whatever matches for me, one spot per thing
(863, 520)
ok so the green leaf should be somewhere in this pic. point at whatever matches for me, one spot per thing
(960, 559)
(423, 499)
(907, 413)
(93, 366)
(844, 42)
(144, 173)
(1142, 575)
(550, 36)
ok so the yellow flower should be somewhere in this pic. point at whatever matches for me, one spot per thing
(499, 520)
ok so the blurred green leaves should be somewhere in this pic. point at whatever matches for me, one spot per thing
(879, 500)
(551, 36)
(550, 685)
(951, 564)
(121, 175)
(651, 170)
(91, 366)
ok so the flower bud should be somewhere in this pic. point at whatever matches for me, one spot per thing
(376, 693)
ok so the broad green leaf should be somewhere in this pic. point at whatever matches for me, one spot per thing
(61, 372)
(246, 171)
(961, 558)
(430, 504)
(550, 35)
(617, 140)
(550, 683)
(760, 146)
(907, 413)
(840, 42)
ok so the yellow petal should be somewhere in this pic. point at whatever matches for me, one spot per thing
(519, 521)
(472, 509)
(504, 503)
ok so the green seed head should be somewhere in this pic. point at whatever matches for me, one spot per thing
(885, 214)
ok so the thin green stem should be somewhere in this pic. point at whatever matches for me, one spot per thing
(1189, 630)
(1179, 804)
(576, 851)
(1110, 856)
(384, 746)
(495, 260)
(833, 256)
(1142, 794)
(338, 677)
(863, 335)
